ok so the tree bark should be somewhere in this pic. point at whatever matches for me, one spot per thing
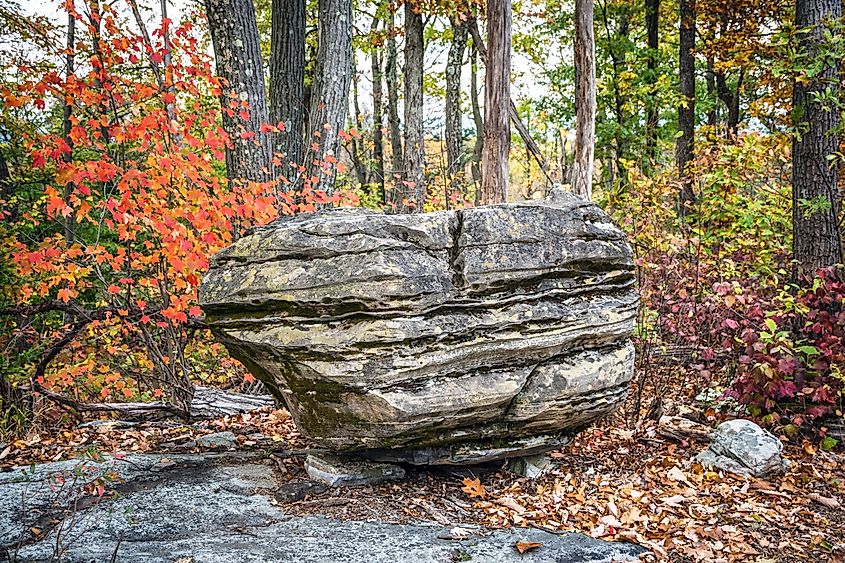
(497, 97)
(652, 22)
(585, 100)
(410, 195)
(357, 122)
(686, 111)
(234, 34)
(330, 93)
(617, 60)
(815, 195)
(730, 97)
(287, 86)
(67, 157)
(477, 120)
(378, 113)
(530, 144)
(454, 64)
(392, 81)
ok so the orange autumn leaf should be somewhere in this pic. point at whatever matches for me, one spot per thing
(523, 546)
(474, 488)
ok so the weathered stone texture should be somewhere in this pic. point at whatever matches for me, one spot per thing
(412, 331)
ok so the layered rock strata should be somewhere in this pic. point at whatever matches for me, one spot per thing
(446, 337)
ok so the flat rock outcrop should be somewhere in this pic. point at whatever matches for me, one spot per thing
(446, 337)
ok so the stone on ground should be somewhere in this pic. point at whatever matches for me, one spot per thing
(336, 471)
(457, 331)
(218, 440)
(216, 509)
(742, 447)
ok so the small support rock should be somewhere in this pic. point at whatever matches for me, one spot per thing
(532, 466)
(336, 471)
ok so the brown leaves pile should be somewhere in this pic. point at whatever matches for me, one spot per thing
(261, 428)
(650, 493)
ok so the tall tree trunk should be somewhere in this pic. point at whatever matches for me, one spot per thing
(454, 64)
(497, 98)
(234, 34)
(287, 85)
(378, 114)
(411, 192)
(815, 196)
(585, 100)
(357, 122)
(392, 80)
(330, 92)
(686, 111)
(170, 107)
(67, 157)
(530, 144)
(100, 71)
(478, 148)
(710, 78)
(617, 61)
(652, 23)
(730, 97)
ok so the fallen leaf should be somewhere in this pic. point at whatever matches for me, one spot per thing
(674, 501)
(474, 488)
(523, 546)
(824, 501)
(512, 504)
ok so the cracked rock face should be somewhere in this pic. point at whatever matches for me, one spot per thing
(434, 338)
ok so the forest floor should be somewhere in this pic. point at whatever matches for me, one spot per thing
(612, 482)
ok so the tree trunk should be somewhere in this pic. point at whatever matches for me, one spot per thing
(411, 192)
(652, 23)
(378, 114)
(585, 100)
(392, 80)
(67, 157)
(815, 196)
(617, 61)
(530, 144)
(170, 107)
(287, 86)
(234, 34)
(330, 92)
(730, 97)
(710, 78)
(357, 122)
(686, 111)
(497, 97)
(478, 120)
(454, 64)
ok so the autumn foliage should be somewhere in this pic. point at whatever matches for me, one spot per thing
(109, 254)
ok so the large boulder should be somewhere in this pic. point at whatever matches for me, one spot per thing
(449, 337)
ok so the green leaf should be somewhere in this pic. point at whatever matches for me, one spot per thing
(771, 325)
(828, 443)
(809, 350)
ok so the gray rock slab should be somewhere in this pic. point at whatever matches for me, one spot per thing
(216, 510)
